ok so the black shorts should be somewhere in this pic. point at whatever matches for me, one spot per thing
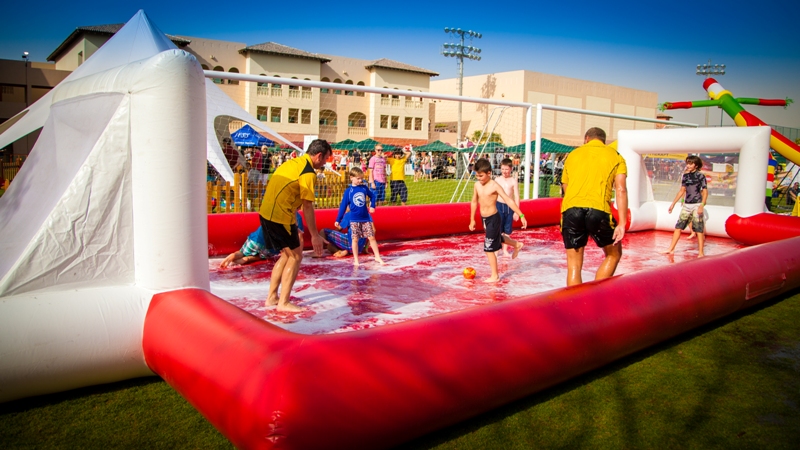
(494, 229)
(577, 224)
(276, 236)
(399, 189)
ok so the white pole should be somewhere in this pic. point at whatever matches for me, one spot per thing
(538, 154)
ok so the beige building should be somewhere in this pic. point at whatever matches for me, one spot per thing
(21, 84)
(533, 87)
(291, 110)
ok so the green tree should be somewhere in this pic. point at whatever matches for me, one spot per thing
(493, 137)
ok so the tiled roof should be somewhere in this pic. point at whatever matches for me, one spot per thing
(389, 64)
(109, 30)
(278, 49)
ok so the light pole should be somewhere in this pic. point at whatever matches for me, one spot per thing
(707, 70)
(461, 51)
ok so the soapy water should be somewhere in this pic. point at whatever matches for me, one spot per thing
(425, 277)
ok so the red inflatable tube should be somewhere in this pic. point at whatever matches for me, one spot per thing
(227, 232)
(264, 387)
(762, 228)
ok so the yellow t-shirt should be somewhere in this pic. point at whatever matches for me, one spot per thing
(589, 173)
(291, 183)
(398, 168)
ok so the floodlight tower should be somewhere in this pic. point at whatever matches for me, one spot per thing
(707, 70)
(461, 51)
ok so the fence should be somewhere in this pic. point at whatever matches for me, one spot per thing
(245, 196)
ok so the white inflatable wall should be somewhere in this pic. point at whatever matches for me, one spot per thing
(751, 143)
(109, 210)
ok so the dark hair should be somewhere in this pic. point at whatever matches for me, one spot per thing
(506, 162)
(694, 159)
(596, 133)
(482, 165)
(319, 146)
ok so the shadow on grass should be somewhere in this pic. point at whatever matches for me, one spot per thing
(696, 389)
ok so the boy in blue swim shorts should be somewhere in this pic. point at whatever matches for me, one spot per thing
(255, 247)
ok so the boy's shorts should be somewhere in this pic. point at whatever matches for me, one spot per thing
(689, 214)
(506, 217)
(252, 248)
(278, 237)
(494, 229)
(379, 191)
(361, 230)
(577, 224)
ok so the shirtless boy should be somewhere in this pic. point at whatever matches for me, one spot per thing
(485, 194)
(511, 188)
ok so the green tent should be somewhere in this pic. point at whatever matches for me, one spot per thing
(548, 146)
(347, 144)
(369, 145)
(435, 146)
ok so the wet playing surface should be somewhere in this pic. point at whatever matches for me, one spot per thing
(424, 278)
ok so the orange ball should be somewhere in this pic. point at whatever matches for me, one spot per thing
(469, 273)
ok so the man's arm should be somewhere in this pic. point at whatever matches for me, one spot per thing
(621, 188)
(311, 223)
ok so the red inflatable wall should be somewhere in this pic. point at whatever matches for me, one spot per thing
(264, 387)
(762, 228)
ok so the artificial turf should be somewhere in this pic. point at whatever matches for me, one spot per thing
(734, 383)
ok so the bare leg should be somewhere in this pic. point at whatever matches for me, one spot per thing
(354, 247)
(701, 240)
(275, 278)
(373, 244)
(676, 235)
(493, 266)
(607, 268)
(516, 244)
(574, 266)
(288, 277)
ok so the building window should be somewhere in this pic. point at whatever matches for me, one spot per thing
(276, 85)
(395, 122)
(384, 121)
(360, 94)
(275, 115)
(348, 92)
(418, 124)
(324, 90)
(218, 69)
(205, 67)
(337, 91)
(408, 123)
(294, 88)
(294, 115)
(327, 118)
(261, 113)
(305, 117)
(261, 83)
(357, 120)
(233, 70)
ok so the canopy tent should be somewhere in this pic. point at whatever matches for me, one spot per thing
(138, 40)
(347, 144)
(435, 146)
(548, 146)
(369, 145)
(249, 137)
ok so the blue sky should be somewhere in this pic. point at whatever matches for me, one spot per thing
(654, 47)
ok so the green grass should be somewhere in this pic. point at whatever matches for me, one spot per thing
(731, 384)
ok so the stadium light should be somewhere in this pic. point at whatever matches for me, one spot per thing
(707, 70)
(461, 51)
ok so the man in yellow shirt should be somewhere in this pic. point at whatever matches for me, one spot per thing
(289, 188)
(398, 179)
(590, 173)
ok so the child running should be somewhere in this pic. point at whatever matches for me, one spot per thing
(511, 188)
(485, 194)
(355, 198)
(693, 185)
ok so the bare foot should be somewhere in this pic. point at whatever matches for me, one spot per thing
(692, 236)
(289, 307)
(700, 255)
(340, 254)
(492, 280)
(666, 252)
(355, 263)
(517, 249)
(272, 300)
(380, 261)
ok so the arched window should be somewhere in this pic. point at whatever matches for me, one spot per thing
(348, 92)
(337, 91)
(324, 90)
(218, 69)
(233, 70)
(261, 83)
(276, 85)
(294, 88)
(327, 118)
(205, 67)
(306, 88)
(395, 96)
(360, 94)
(357, 120)
(385, 95)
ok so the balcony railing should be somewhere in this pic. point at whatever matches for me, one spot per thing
(413, 104)
(276, 92)
(306, 95)
(357, 131)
